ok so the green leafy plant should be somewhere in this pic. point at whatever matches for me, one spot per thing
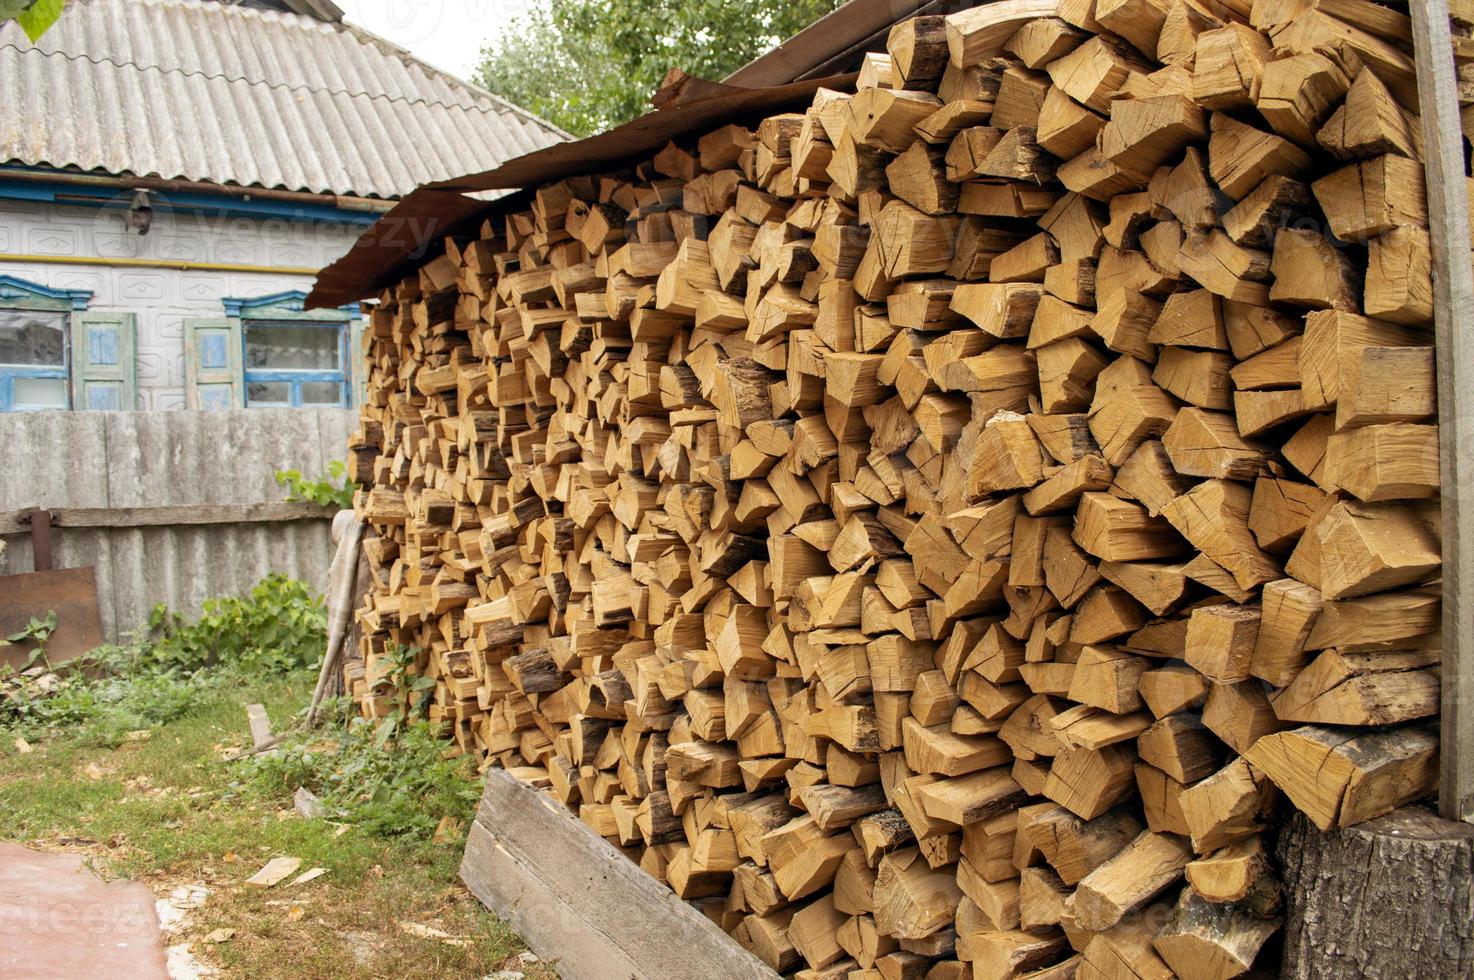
(404, 787)
(103, 710)
(169, 668)
(38, 631)
(324, 491)
(34, 16)
(410, 687)
(279, 626)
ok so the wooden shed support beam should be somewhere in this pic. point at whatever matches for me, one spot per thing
(1453, 303)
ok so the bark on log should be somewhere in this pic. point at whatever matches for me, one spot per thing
(1389, 898)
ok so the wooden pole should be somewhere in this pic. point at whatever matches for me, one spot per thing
(342, 615)
(1453, 303)
(185, 515)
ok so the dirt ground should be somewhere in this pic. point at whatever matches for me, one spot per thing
(164, 808)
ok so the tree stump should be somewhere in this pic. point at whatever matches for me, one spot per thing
(1389, 898)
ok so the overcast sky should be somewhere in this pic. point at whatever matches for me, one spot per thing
(449, 34)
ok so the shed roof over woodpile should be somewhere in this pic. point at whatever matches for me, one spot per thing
(206, 91)
(834, 43)
(822, 55)
(404, 235)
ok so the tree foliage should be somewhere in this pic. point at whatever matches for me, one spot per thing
(586, 65)
(34, 16)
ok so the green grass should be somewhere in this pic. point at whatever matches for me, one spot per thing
(166, 809)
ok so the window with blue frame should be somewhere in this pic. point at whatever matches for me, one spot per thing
(33, 360)
(295, 363)
(269, 352)
(56, 354)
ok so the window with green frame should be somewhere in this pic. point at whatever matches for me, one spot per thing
(56, 355)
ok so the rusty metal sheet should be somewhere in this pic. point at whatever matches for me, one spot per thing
(414, 229)
(69, 592)
(402, 237)
(835, 42)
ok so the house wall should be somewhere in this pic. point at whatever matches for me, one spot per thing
(163, 298)
(156, 458)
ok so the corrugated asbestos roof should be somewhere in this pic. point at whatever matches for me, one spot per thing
(204, 91)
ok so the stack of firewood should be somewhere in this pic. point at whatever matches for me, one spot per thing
(940, 531)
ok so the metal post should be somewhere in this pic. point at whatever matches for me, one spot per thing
(41, 540)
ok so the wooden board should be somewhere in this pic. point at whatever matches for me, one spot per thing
(18, 522)
(1453, 313)
(69, 592)
(577, 900)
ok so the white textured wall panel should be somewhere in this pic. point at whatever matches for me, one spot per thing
(163, 299)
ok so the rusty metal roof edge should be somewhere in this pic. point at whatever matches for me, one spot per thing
(843, 31)
(415, 226)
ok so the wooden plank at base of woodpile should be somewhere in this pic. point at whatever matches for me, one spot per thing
(579, 903)
(944, 531)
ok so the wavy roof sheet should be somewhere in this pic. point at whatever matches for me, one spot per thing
(205, 91)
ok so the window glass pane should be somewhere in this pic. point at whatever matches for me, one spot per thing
(38, 393)
(291, 347)
(260, 393)
(33, 337)
(322, 393)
